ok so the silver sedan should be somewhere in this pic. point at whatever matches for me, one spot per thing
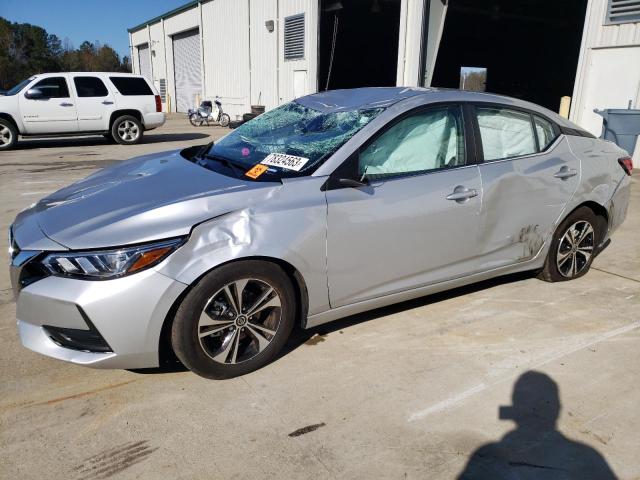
(327, 206)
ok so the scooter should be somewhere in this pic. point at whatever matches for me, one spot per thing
(207, 113)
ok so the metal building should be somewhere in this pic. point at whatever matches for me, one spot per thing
(266, 52)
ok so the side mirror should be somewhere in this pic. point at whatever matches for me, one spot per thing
(34, 94)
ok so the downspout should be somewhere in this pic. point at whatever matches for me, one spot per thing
(203, 74)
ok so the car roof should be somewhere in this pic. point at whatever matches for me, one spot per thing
(124, 74)
(374, 97)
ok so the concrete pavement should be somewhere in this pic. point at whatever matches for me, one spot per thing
(408, 391)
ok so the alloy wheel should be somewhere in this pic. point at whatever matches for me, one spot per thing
(128, 131)
(575, 249)
(5, 135)
(239, 321)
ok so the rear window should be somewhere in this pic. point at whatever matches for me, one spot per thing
(131, 85)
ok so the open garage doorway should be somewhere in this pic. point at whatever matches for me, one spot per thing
(358, 43)
(530, 48)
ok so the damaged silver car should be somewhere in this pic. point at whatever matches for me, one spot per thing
(333, 204)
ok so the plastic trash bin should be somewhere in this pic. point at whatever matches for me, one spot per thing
(621, 127)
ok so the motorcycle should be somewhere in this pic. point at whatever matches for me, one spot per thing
(207, 112)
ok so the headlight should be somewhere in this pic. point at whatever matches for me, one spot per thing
(105, 264)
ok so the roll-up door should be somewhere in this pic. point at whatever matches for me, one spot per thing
(144, 61)
(186, 67)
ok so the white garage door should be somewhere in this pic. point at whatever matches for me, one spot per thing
(186, 64)
(144, 61)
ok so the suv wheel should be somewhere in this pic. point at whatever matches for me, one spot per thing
(235, 320)
(8, 135)
(127, 130)
(574, 246)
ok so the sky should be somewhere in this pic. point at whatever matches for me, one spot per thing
(80, 20)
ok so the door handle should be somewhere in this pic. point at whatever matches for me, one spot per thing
(462, 194)
(565, 173)
(66, 104)
(107, 102)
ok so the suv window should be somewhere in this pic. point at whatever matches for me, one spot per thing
(424, 141)
(546, 132)
(90, 87)
(505, 133)
(131, 85)
(53, 87)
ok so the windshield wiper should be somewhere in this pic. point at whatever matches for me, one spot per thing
(234, 168)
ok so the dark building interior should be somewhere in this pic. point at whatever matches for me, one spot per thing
(530, 48)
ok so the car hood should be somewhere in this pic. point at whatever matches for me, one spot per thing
(147, 198)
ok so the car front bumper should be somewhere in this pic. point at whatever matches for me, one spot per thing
(100, 324)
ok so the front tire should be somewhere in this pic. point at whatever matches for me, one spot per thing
(127, 130)
(8, 135)
(573, 247)
(235, 320)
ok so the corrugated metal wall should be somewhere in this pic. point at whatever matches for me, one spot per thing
(264, 53)
(608, 70)
(225, 29)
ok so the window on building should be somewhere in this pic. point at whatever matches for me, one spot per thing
(429, 140)
(623, 11)
(131, 85)
(294, 37)
(90, 87)
(53, 87)
(505, 133)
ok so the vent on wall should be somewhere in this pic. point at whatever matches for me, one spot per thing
(294, 37)
(163, 90)
(623, 11)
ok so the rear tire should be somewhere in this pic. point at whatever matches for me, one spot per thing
(8, 135)
(573, 247)
(196, 120)
(218, 337)
(127, 130)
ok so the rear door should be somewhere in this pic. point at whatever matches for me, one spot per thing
(417, 221)
(528, 176)
(54, 112)
(94, 103)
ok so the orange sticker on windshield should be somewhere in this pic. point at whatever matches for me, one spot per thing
(256, 171)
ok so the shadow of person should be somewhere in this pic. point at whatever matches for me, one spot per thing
(535, 449)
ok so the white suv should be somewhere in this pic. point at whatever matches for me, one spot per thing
(117, 105)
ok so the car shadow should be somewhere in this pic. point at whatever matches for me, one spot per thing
(535, 449)
(89, 141)
(300, 337)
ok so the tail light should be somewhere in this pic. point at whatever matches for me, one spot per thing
(158, 103)
(627, 164)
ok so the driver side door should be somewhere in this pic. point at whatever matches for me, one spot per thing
(54, 112)
(416, 221)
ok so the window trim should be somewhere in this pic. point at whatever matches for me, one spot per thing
(476, 128)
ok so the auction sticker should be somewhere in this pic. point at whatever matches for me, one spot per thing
(256, 171)
(289, 162)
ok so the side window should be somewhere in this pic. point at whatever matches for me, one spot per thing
(90, 87)
(429, 140)
(546, 132)
(131, 85)
(505, 133)
(53, 87)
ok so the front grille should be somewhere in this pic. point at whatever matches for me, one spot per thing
(77, 339)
